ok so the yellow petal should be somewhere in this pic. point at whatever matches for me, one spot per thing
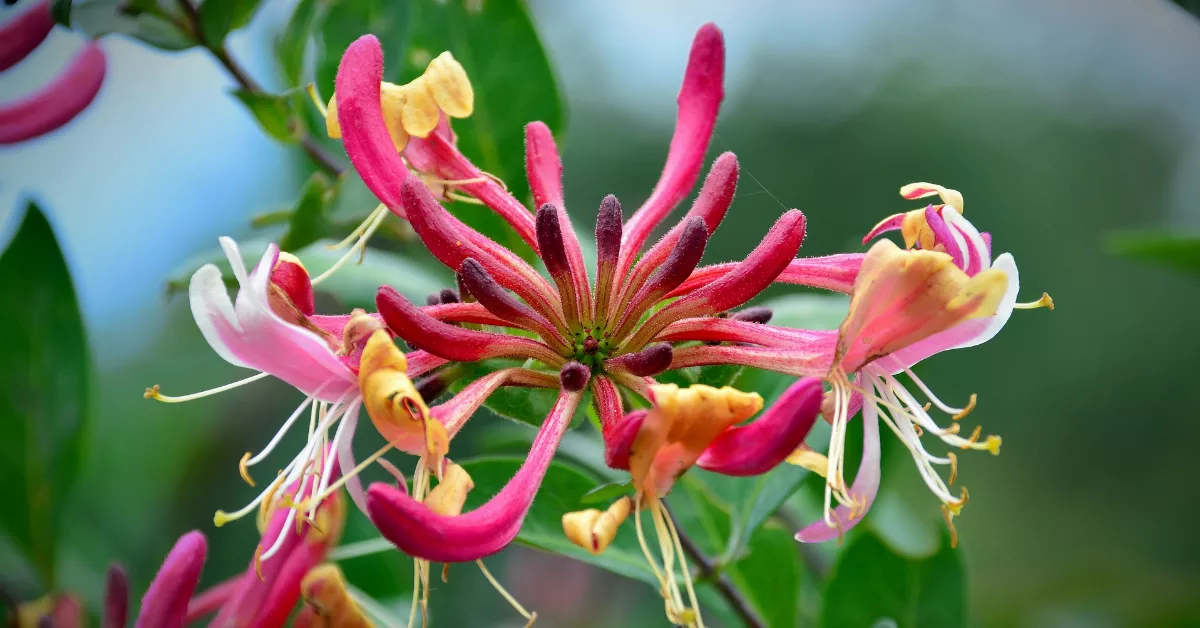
(332, 127)
(391, 400)
(392, 98)
(949, 196)
(450, 86)
(680, 426)
(809, 459)
(594, 530)
(420, 111)
(448, 497)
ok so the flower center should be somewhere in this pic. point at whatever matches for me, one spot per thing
(591, 347)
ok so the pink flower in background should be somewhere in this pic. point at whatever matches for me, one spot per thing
(60, 100)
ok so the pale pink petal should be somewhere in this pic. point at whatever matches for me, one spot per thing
(712, 329)
(891, 223)
(864, 488)
(59, 101)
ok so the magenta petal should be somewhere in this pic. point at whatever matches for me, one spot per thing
(891, 223)
(451, 342)
(864, 488)
(543, 165)
(943, 236)
(364, 133)
(710, 329)
(420, 532)
(421, 362)
(759, 446)
(802, 362)
(618, 444)
(828, 272)
(22, 34)
(59, 101)
(465, 313)
(699, 100)
(166, 601)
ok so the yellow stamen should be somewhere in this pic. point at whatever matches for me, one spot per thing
(953, 467)
(949, 518)
(687, 574)
(531, 617)
(446, 573)
(1046, 301)
(809, 459)
(965, 411)
(244, 470)
(258, 562)
(316, 99)
(373, 221)
(152, 392)
(317, 499)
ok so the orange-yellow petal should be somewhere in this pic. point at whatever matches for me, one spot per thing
(594, 530)
(328, 602)
(448, 497)
(450, 86)
(393, 403)
(949, 196)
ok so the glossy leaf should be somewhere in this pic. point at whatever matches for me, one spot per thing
(218, 18)
(756, 503)
(514, 84)
(346, 21)
(607, 492)
(768, 575)
(44, 380)
(308, 222)
(870, 583)
(144, 22)
(273, 113)
(292, 46)
(1180, 251)
(561, 492)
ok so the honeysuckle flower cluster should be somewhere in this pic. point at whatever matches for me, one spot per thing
(59, 101)
(609, 332)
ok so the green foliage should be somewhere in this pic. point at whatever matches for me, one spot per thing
(44, 378)
(757, 500)
(870, 583)
(61, 10)
(1180, 251)
(308, 221)
(218, 18)
(608, 492)
(292, 46)
(273, 112)
(145, 21)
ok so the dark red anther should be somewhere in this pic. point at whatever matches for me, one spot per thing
(758, 314)
(574, 376)
(448, 296)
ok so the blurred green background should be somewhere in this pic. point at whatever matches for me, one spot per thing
(1061, 121)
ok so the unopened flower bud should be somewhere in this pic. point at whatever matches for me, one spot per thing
(293, 291)
(574, 376)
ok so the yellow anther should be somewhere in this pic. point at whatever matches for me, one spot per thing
(151, 393)
(949, 518)
(974, 437)
(993, 444)
(809, 459)
(448, 497)
(445, 573)
(953, 467)
(244, 468)
(967, 410)
(258, 562)
(220, 518)
(1045, 302)
(594, 530)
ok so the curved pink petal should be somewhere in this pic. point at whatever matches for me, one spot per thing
(863, 490)
(943, 236)
(421, 362)
(465, 313)
(420, 532)
(743, 282)
(452, 242)
(759, 446)
(699, 100)
(250, 334)
(543, 165)
(166, 601)
(454, 413)
(829, 272)
(802, 362)
(451, 342)
(891, 223)
(716, 195)
(450, 164)
(711, 329)
(22, 34)
(59, 101)
(968, 333)
(364, 133)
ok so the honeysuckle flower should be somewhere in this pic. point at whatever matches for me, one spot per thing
(60, 100)
(684, 427)
(165, 604)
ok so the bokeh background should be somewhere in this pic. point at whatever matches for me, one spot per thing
(1062, 121)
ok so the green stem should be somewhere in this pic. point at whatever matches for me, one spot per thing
(710, 571)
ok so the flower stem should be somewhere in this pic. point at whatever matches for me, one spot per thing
(709, 570)
(315, 151)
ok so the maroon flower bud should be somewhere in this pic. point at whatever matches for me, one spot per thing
(759, 314)
(116, 598)
(574, 376)
(649, 361)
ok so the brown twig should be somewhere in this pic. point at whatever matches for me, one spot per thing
(315, 151)
(707, 568)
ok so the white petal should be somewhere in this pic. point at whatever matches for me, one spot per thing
(214, 312)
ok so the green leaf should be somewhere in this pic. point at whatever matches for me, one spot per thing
(1180, 251)
(151, 25)
(607, 492)
(273, 112)
(346, 21)
(870, 583)
(308, 222)
(61, 10)
(561, 492)
(44, 377)
(768, 576)
(499, 48)
(719, 375)
(218, 18)
(353, 286)
(292, 46)
(757, 503)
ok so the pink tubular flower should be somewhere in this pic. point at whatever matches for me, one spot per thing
(64, 97)
(166, 601)
(598, 333)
